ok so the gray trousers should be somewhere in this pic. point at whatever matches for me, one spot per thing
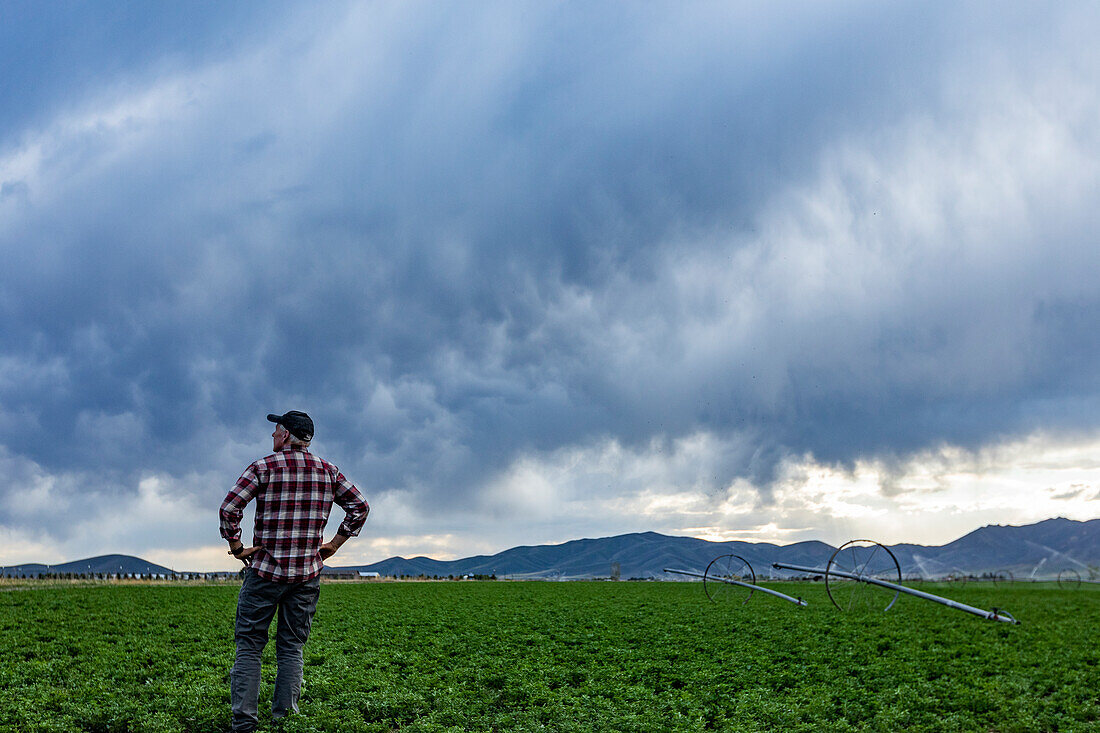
(256, 606)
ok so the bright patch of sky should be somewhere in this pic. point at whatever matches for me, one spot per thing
(542, 272)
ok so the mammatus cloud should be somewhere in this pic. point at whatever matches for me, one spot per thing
(521, 259)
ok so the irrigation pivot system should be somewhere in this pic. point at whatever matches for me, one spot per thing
(731, 577)
(1069, 578)
(859, 568)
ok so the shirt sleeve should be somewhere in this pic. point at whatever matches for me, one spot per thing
(354, 505)
(235, 501)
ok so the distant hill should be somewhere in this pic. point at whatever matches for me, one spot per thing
(641, 555)
(106, 564)
(1037, 550)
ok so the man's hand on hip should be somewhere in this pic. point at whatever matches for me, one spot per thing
(329, 548)
(242, 553)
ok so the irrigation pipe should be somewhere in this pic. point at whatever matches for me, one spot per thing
(750, 586)
(994, 615)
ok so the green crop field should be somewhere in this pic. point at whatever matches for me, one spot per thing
(559, 656)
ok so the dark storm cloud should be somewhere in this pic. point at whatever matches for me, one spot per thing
(460, 235)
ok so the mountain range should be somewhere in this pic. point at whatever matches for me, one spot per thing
(1039, 550)
(1035, 550)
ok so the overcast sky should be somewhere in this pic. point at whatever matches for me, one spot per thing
(544, 271)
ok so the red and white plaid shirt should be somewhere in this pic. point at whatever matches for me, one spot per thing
(294, 491)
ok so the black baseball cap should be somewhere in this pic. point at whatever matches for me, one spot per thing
(298, 423)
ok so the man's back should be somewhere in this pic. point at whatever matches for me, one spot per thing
(294, 492)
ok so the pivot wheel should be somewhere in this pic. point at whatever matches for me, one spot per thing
(852, 566)
(728, 579)
(1069, 578)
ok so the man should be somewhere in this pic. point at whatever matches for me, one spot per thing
(294, 491)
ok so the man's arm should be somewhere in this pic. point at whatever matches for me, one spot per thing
(232, 510)
(355, 509)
